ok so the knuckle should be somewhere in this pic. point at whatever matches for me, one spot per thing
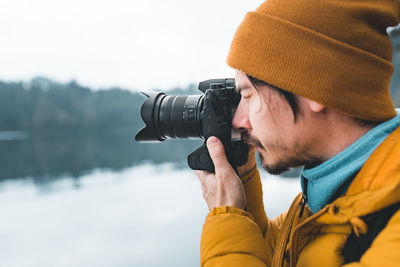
(217, 158)
(225, 172)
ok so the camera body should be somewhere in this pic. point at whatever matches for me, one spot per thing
(200, 116)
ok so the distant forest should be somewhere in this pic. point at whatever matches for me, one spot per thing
(44, 106)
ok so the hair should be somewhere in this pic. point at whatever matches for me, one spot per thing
(292, 101)
(289, 97)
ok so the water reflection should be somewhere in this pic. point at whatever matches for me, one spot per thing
(13, 135)
(47, 158)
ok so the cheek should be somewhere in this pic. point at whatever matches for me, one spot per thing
(255, 107)
(264, 124)
(254, 119)
(260, 123)
(259, 115)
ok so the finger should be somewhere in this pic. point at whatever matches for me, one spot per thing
(217, 152)
(200, 175)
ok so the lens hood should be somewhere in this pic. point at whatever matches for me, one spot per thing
(150, 132)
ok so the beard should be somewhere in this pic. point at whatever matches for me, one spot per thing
(286, 158)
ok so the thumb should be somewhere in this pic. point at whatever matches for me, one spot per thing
(217, 152)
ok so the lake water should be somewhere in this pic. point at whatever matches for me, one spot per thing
(141, 216)
(134, 215)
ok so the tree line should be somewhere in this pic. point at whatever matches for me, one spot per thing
(46, 106)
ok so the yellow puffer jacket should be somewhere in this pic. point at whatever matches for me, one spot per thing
(232, 237)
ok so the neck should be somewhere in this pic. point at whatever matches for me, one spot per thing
(337, 134)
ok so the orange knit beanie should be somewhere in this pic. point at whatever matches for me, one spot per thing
(335, 52)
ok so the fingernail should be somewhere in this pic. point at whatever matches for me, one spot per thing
(212, 140)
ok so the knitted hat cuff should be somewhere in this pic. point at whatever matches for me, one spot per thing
(313, 65)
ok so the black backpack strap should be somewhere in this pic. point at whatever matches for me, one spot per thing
(355, 246)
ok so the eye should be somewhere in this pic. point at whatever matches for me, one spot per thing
(245, 94)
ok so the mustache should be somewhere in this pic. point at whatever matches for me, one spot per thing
(250, 140)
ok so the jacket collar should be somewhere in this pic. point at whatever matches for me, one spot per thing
(376, 186)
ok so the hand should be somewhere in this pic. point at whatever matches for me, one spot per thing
(223, 188)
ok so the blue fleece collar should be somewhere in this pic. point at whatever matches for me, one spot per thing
(331, 179)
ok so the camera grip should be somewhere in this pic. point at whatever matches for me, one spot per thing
(200, 159)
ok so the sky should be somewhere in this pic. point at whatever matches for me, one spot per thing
(137, 45)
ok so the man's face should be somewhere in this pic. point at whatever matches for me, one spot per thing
(266, 121)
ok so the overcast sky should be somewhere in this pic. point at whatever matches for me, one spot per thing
(129, 43)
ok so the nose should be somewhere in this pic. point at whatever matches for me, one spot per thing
(240, 120)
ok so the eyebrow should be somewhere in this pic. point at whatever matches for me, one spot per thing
(239, 89)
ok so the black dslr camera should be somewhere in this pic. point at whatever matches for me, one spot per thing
(196, 116)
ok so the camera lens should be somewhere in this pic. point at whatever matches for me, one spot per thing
(179, 116)
(171, 117)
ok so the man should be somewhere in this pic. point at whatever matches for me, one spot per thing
(313, 76)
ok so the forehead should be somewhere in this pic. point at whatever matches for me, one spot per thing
(264, 91)
(241, 80)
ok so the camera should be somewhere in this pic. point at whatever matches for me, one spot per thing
(196, 116)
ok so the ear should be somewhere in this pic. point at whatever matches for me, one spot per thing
(315, 106)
